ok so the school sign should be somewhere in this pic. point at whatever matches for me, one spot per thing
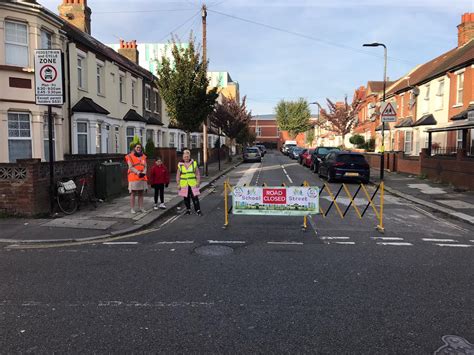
(276, 201)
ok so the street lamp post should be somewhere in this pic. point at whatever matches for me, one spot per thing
(382, 158)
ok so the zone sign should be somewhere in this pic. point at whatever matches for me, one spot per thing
(48, 77)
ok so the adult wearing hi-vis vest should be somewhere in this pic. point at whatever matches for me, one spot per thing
(137, 179)
(188, 179)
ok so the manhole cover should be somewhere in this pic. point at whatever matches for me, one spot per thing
(214, 250)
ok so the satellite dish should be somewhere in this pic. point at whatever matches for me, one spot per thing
(415, 91)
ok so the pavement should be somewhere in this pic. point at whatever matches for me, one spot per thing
(109, 219)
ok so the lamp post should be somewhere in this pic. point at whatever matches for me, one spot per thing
(382, 158)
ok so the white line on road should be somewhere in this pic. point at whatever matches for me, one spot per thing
(343, 243)
(331, 238)
(455, 245)
(226, 241)
(395, 244)
(285, 243)
(287, 176)
(386, 238)
(120, 243)
(178, 242)
(439, 240)
(248, 174)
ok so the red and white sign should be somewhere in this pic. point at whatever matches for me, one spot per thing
(388, 112)
(274, 196)
(48, 77)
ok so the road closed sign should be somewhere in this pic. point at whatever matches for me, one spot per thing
(48, 77)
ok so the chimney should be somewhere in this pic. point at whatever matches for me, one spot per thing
(129, 50)
(77, 13)
(466, 29)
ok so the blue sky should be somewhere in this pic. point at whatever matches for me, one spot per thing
(271, 65)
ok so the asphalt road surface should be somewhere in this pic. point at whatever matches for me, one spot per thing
(262, 285)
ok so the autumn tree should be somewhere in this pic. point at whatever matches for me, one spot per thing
(183, 85)
(293, 116)
(340, 117)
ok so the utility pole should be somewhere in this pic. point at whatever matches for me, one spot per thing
(204, 60)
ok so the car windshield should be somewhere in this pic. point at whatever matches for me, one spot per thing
(324, 151)
(351, 158)
(251, 150)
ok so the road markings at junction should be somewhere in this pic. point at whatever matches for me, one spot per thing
(287, 176)
(285, 243)
(248, 174)
(439, 240)
(331, 238)
(226, 241)
(343, 243)
(455, 245)
(178, 242)
(394, 244)
(387, 238)
(120, 243)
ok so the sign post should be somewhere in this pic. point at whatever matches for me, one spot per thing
(49, 91)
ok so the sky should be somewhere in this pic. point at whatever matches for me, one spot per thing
(287, 49)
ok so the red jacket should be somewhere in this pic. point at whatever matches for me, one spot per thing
(159, 175)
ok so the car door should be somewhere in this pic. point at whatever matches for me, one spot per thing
(324, 164)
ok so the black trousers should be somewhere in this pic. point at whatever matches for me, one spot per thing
(159, 188)
(187, 200)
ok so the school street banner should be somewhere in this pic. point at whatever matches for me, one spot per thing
(277, 201)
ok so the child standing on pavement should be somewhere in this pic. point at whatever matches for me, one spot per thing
(159, 179)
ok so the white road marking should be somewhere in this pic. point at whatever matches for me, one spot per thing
(439, 240)
(331, 238)
(386, 238)
(344, 243)
(395, 244)
(248, 174)
(472, 241)
(226, 241)
(287, 176)
(120, 243)
(178, 242)
(455, 245)
(285, 243)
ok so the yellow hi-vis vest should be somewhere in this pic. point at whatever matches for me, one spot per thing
(187, 176)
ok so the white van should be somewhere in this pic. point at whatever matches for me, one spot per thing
(287, 145)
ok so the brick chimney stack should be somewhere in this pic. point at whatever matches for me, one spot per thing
(466, 29)
(129, 50)
(77, 13)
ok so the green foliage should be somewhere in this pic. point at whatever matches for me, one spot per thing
(310, 136)
(357, 140)
(183, 85)
(293, 116)
(246, 137)
(150, 148)
(136, 140)
(370, 145)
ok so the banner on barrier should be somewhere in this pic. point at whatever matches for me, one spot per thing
(278, 201)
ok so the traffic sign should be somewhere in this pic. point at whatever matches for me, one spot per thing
(48, 77)
(388, 112)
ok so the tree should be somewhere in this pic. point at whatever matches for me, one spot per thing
(293, 116)
(231, 117)
(340, 117)
(310, 137)
(150, 148)
(357, 140)
(246, 137)
(183, 84)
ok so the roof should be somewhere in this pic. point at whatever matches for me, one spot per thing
(454, 127)
(154, 121)
(405, 123)
(377, 86)
(86, 104)
(134, 116)
(464, 114)
(268, 117)
(426, 120)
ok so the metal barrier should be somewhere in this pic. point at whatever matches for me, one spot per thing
(378, 210)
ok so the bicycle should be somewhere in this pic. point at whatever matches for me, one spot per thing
(70, 198)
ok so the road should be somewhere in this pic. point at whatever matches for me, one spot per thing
(261, 285)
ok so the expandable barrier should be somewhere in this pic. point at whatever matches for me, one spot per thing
(325, 188)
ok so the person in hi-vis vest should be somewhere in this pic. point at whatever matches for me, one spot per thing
(188, 179)
(137, 179)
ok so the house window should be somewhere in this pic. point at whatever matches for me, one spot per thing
(440, 95)
(81, 71)
(193, 142)
(427, 99)
(121, 87)
(158, 138)
(459, 139)
(16, 44)
(460, 88)
(100, 78)
(258, 131)
(19, 136)
(134, 84)
(98, 139)
(130, 134)
(147, 98)
(46, 40)
(408, 138)
(183, 138)
(149, 135)
(171, 140)
(46, 140)
(142, 135)
(82, 134)
(157, 102)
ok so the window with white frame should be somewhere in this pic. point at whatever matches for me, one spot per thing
(149, 135)
(16, 43)
(147, 98)
(142, 136)
(46, 139)
(130, 133)
(440, 95)
(19, 136)
(183, 138)
(426, 107)
(100, 78)
(193, 142)
(122, 87)
(258, 131)
(157, 102)
(417, 139)
(81, 71)
(134, 89)
(460, 88)
(408, 142)
(172, 140)
(459, 139)
(98, 139)
(158, 138)
(82, 138)
(46, 40)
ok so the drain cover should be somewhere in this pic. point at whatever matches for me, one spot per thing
(214, 250)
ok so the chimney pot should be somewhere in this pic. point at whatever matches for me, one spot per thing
(466, 29)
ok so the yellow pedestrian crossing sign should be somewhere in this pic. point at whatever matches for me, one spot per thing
(388, 112)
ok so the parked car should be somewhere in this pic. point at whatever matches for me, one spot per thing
(295, 152)
(345, 165)
(288, 144)
(300, 156)
(262, 149)
(317, 156)
(306, 158)
(252, 154)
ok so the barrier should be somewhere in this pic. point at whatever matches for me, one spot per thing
(305, 206)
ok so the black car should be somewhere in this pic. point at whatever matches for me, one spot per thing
(262, 149)
(318, 155)
(344, 165)
(295, 152)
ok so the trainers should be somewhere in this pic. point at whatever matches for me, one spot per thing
(142, 210)
(155, 207)
(199, 213)
(188, 211)
(132, 211)
(162, 206)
